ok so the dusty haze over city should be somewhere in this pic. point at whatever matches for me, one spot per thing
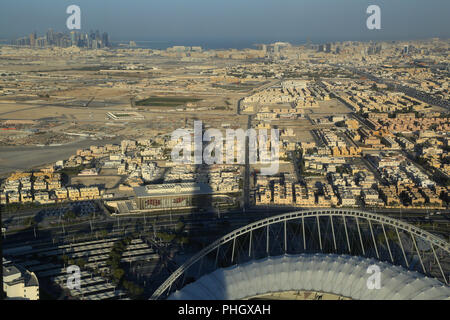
(148, 147)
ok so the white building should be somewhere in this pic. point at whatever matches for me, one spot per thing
(18, 283)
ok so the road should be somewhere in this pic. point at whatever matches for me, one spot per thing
(25, 157)
(195, 223)
(247, 168)
(246, 185)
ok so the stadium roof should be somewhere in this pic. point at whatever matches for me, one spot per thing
(329, 273)
(168, 189)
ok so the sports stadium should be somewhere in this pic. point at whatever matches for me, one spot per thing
(325, 254)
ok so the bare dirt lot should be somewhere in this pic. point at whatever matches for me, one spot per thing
(107, 182)
(329, 107)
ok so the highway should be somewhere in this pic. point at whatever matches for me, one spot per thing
(194, 223)
(25, 157)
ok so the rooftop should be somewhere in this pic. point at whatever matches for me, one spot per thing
(166, 189)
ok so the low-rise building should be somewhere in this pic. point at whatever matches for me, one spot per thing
(89, 193)
(61, 194)
(19, 283)
(73, 193)
(42, 197)
(13, 197)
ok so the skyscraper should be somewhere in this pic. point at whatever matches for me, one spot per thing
(406, 49)
(105, 39)
(73, 38)
(33, 39)
(50, 37)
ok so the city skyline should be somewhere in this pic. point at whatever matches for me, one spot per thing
(91, 39)
(266, 21)
(94, 39)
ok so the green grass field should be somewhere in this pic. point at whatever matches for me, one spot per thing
(165, 101)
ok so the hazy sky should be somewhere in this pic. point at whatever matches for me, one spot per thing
(225, 20)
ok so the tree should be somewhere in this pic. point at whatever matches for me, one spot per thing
(70, 215)
(81, 263)
(180, 226)
(183, 241)
(167, 237)
(118, 273)
(132, 288)
(29, 221)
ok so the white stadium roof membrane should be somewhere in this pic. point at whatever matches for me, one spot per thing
(341, 275)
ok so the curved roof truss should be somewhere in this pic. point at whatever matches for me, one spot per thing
(434, 242)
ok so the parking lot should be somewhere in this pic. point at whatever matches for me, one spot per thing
(73, 210)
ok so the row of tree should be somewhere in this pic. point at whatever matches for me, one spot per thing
(117, 272)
